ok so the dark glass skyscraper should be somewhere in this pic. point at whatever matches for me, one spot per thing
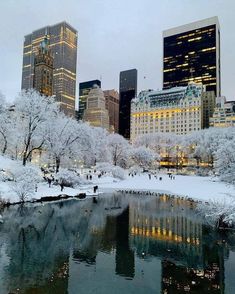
(62, 39)
(127, 91)
(192, 53)
(84, 89)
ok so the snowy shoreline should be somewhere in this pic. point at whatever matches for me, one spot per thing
(193, 187)
(190, 186)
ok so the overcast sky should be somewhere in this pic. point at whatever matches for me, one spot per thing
(112, 36)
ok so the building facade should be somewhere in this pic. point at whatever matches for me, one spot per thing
(178, 110)
(127, 91)
(112, 105)
(192, 53)
(208, 107)
(62, 39)
(43, 70)
(84, 89)
(224, 113)
(96, 113)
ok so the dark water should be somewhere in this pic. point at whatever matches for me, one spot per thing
(122, 244)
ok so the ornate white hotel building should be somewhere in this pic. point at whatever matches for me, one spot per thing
(178, 110)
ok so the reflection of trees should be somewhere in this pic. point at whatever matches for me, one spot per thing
(39, 238)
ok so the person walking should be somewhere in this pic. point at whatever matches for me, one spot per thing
(49, 182)
(95, 188)
(61, 186)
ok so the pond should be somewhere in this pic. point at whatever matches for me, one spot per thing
(118, 244)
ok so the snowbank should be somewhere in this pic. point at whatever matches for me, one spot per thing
(199, 188)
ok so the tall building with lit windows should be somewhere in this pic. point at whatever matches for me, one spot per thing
(179, 110)
(192, 53)
(62, 39)
(112, 105)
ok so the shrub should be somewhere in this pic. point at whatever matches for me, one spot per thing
(118, 172)
(25, 179)
(69, 178)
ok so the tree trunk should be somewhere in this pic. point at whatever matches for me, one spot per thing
(24, 159)
(4, 147)
(57, 164)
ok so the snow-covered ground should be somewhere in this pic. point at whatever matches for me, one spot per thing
(199, 188)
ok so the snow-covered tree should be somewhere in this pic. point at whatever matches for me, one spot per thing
(69, 178)
(225, 160)
(5, 124)
(66, 138)
(119, 149)
(143, 156)
(25, 179)
(34, 111)
(115, 171)
(97, 151)
(219, 214)
(2, 102)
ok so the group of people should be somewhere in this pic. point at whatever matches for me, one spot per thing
(171, 176)
(132, 174)
(89, 176)
(51, 180)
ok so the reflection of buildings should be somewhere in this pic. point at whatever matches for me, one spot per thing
(62, 39)
(169, 230)
(159, 226)
(179, 279)
(125, 259)
(113, 235)
(149, 229)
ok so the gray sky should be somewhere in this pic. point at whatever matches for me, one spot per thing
(112, 36)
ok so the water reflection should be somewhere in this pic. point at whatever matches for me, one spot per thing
(121, 244)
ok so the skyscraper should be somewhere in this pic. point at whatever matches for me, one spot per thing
(127, 91)
(112, 105)
(192, 53)
(84, 89)
(43, 69)
(62, 39)
(96, 113)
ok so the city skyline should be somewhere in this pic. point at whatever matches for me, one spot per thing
(134, 42)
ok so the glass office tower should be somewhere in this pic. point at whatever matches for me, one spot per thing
(192, 53)
(127, 91)
(62, 40)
